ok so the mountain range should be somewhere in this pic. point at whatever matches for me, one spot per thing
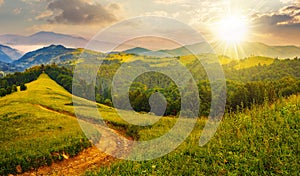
(11, 59)
(43, 38)
(243, 50)
(53, 54)
(8, 54)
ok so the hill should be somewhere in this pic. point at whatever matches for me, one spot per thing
(241, 51)
(137, 51)
(260, 141)
(53, 54)
(44, 38)
(39, 127)
(8, 54)
(253, 61)
(31, 135)
(4, 57)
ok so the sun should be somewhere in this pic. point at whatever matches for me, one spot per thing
(232, 29)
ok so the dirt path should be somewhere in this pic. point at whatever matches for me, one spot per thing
(88, 159)
(85, 160)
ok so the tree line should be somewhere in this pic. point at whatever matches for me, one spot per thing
(245, 87)
(9, 83)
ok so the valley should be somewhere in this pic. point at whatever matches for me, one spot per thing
(158, 88)
(42, 136)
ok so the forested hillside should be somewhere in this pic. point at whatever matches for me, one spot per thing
(245, 86)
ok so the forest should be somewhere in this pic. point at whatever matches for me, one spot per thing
(9, 83)
(245, 87)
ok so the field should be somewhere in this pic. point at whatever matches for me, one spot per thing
(253, 61)
(260, 141)
(41, 128)
(32, 135)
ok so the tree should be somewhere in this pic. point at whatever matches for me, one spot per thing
(14, 88)
(8, 90)
(23, 87)
(2, 92)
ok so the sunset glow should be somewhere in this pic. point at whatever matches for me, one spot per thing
(232, 29)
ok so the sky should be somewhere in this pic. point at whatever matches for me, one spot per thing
(274, 22)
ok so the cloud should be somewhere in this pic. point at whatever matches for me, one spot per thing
(80, 12)
(44, 14)
(168, 1)
(17, 11)
(1, 2)
(290, 1)
(288, 15)
(280, 26)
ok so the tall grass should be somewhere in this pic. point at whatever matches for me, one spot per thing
(261, 141)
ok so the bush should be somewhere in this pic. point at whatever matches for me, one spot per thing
(2, 92)
(23, 87)
(108, 102)
(14, 88)
(8, 90)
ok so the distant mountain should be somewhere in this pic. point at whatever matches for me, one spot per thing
(247, 49)
(8, 54)
(4, 57)
(8, 67)
(44, 38)
(243, 50)
(199, 48)
(53, 54)
(137, 51)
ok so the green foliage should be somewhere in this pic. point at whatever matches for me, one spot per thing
(245, 86)
(9, 83)
(260, 141)
(33, 136)
(23, 87)
(14, 88)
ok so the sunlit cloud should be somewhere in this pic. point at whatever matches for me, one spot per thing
(44, 14)
(80, 12)
(17, 11)
(168, 1)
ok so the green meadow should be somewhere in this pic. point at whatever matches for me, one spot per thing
(39, 127)
(261, 141)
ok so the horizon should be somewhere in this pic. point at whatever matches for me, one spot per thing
(275, 23)
(29, 48)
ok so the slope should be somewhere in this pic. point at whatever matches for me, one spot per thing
(12, 53)
(31, 136)
(53, 54)
(39, 127)
(260, 141)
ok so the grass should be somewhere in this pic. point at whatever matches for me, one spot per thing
(262, 141)
(253, 61)
(32, 136)
(39, 126)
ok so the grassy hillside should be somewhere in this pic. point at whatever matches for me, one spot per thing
(261, 141)
(253, 61)
(39, 126)
(31, 134)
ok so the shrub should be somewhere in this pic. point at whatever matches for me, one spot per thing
(23, 87)
(14, 88)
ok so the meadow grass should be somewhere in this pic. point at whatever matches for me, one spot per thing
(254, 61)
(32, 136)
(260, 141)
(39, 126)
